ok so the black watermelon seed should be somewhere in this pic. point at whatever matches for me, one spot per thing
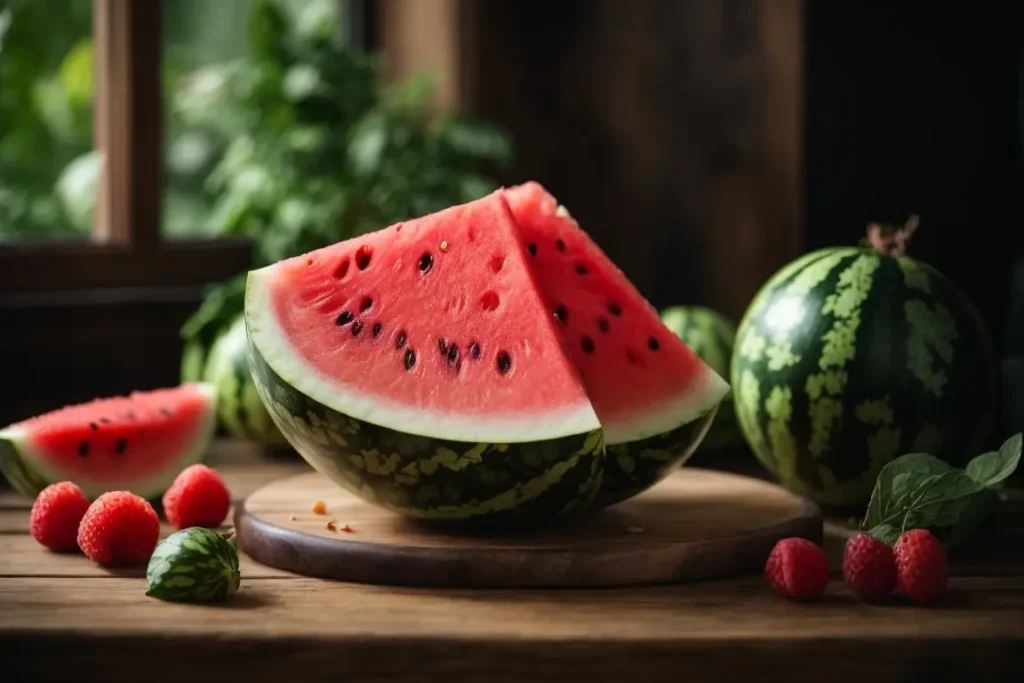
(357, 327)
(442, 345)
(166, 412)
(581, 269)
(365, 304)
(504, 362)
(603, 325)
(344, 319)
(377, 329)
(83, 448)
(561, 245)
(453, 355)
(587, 344)
(426, 263)
(93, 426)
(614, 309)
(653, 343)
(533, 249)
(121, 445)
(474, 350)
(400, 340)
(561, 314)
(363, 257)
(410, 359)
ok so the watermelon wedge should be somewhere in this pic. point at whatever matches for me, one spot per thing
(655, 397)
(418, 366)
(136, 443)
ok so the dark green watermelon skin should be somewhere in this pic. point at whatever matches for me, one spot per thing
(847, 359)
(634, 467)
(436, 479)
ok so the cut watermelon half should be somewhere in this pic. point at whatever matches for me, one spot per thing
(419, 366)
(136, 443)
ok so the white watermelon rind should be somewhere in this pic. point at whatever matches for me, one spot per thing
(266, 335)
(28, 473)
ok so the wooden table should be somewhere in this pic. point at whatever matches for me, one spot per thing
(62, 618)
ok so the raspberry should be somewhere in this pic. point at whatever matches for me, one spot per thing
(921, 566)
(797, 569)
(119, 529)
(55, 515)
(869, 567)
(198, 497)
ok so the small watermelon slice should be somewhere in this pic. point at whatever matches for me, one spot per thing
(136, 443)
(419, 367)
(655, 397)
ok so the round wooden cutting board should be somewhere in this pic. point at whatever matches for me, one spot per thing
(696, 524)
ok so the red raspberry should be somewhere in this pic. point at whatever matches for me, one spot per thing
(921, 565)
(56, 513)
(797, 569)
(119, 529)
(198, 497)
(869, 567)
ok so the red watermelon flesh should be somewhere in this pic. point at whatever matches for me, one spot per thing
(137, 443)
(641, 379)
(434, 326)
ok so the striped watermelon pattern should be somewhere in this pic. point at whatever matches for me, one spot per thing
(848, 358)
(711, 335)
(194, 565)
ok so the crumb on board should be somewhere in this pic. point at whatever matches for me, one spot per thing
(293, 518)
(347, 529)
(332, 525)
(320, 507)
(635, 529)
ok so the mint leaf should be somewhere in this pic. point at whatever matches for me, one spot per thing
(940, 502)
(995, 466)
(886, 533)
(891, 488)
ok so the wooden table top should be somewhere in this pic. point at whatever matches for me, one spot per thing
(62, 618)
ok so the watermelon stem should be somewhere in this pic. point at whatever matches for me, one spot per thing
(892, 240)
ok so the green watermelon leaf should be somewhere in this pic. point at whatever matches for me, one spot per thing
(995, 466)
(891, 488)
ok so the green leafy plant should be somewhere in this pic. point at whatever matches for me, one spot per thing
(319, 148)
(918, 490)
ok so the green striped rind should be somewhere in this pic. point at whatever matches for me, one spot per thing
(193, 361)
(239, 407)
(711, 336)
(194, 565)
(18, 470)
(432, 478)
(847, 359)
(634, 467)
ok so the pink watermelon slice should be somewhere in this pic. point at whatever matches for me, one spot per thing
(137, 443)
(425, 367)
(654, 396)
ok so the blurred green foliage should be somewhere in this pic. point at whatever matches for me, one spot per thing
(275, 132)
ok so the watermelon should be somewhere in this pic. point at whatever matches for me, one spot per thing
(654, 396)
(430, 366)
(851, 356)
(711, 335)
(136, 443)
(194, 565)
(239, 408)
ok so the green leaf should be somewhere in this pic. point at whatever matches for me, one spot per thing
(886, 533)
(477, 140)
(369, 137)
(993, 467)
(883, 496)
(941, 501)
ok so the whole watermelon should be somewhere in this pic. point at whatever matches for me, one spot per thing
(851, 356)
(239, 407)
(711, 335)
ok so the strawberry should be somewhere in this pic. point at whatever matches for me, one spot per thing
(55, 516)
(119, 529)
(797, 569)
(921, 566)
(869, 567)
(198, 497)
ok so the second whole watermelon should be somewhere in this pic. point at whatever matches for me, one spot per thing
(848, 358)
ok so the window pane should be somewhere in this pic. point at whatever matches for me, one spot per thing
(48, 170)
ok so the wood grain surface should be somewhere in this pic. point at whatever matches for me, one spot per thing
(696, 524)
(64, 618)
